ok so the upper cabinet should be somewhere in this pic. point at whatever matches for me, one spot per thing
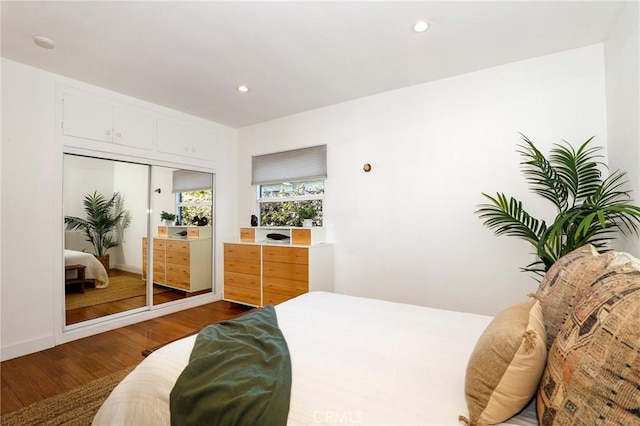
(133, 127)
(186, 139)
(89, 117)
(99, 119)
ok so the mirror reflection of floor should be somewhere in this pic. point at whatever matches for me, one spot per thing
(126, 291)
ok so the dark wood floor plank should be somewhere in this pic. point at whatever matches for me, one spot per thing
(34, 377)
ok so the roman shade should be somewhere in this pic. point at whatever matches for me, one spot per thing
(187, 180)
(293, 165)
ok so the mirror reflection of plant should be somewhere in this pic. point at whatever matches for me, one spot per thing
(589, 209)
(167, 216)
(105, 223)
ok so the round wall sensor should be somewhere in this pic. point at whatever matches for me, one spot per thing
(44, 42)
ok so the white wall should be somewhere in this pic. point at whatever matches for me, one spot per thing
(31, 311)
(28, 218)
(622, 70)
(406, 231)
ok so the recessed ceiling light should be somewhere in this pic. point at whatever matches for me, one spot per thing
(243, 89)
(421, 26)
(44, 42)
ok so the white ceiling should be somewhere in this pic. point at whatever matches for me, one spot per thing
(294, 56)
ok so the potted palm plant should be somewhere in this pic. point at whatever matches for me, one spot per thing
(589, 209)
(104, 225)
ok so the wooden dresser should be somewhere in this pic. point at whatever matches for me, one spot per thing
(258, 272)
(184, 264)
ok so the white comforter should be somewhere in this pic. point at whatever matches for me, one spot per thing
(354, 361)
(94, 271)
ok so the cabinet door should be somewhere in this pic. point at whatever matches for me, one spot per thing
(189, 140)
(133, 127)
(87, 117)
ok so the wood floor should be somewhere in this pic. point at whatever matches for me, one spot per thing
(74, 316)
(38, 376)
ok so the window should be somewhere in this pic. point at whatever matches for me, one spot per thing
(288, 181)
(279, 202)
(192, 204)
(194, 196)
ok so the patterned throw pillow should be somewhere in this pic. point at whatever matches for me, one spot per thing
(564, 284)
(504, 369)
(593, 370)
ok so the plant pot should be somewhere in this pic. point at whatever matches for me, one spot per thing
(105, 262)
(307, 223)
(169, 222)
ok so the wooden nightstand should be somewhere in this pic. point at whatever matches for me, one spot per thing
(80, 276)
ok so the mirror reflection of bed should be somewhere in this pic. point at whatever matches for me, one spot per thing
(115, 283)
(106, 292)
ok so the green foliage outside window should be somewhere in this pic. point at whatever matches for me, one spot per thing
(195, 203)
(280, 203)
(285, 213)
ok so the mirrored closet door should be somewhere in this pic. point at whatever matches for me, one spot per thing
(181, 234)
(105, 214)
(118, 256)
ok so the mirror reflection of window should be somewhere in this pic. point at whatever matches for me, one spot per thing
(106, 269)
(194, 197)
(182, 264)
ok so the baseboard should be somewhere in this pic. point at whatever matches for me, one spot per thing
(127, 268)
(28, 347)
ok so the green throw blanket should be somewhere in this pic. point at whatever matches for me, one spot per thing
(239, 373)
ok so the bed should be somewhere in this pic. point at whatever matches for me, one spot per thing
(353, 360)
(94, 269)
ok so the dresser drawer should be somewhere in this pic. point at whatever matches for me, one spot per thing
(182, 270)
(275, 298)
(247, 234)
(251, 267)
(242, 251)
(288, 271)
(286, 287)
(179, 246)
(159, 276)
(177, 257)
(242, 295)
(242, 280)
(159, 244)
(286, 254)
(198, 232)
(178, 280)
(159, 256)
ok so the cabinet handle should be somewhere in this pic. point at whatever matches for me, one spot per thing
(119, 134)
(108, 132)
